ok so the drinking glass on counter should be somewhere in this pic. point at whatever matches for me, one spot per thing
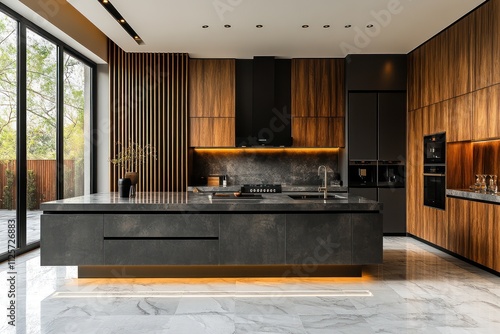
(483, 183)
(477, 185)
(492, 187)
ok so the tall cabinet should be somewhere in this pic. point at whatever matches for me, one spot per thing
(376, 104)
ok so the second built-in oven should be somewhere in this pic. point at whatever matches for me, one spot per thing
(435, 186)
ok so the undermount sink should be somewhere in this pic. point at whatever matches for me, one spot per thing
(316, 197)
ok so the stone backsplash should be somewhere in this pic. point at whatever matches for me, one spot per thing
(277, 166)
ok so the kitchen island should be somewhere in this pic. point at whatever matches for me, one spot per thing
(185, 233)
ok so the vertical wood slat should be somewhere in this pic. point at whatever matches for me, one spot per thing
(148, 105)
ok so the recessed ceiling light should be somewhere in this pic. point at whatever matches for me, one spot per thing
(347, 26)
(259, 26)
(227, 26)
(305, 26)
(326, 26)
(118, 17)
(370, 26)
(204, 26)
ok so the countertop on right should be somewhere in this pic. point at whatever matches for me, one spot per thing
(472, 195)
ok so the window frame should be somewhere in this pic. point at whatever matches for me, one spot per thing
(21, 164)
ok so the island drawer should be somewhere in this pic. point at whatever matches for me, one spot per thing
(161, 225)
(161, 252)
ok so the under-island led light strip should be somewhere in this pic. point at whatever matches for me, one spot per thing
(214, 294)
(120, 19)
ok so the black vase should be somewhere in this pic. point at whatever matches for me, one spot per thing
(124, 187)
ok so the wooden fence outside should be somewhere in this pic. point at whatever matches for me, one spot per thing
(45, 180)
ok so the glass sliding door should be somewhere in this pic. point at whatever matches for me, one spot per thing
(47, 99)
(8, 131)
(77, 103)
(41, 128)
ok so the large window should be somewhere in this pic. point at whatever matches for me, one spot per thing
(41, 127)
(8, 117)
(46, 91)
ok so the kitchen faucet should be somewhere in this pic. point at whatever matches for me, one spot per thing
(324, 186)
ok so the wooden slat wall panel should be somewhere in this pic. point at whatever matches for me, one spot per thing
(148, 105)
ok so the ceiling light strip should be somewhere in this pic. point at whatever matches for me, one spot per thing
(120, 19)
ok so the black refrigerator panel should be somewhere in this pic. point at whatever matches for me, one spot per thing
(244, 98)
(362, 126)
(394, 210)
(370, 193)
(392, 126)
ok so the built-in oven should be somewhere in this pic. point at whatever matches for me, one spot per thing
(391, 174)
(435, 148)
(362, 173)
(435, 186)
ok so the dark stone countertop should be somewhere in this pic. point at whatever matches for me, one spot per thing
(472, 195)
(201, 202)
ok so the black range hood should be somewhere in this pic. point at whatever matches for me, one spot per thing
(263, 98)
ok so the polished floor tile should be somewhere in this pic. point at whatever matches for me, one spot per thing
(419, 289)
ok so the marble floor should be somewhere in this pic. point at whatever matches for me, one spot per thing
(418, 290)
(32, 226)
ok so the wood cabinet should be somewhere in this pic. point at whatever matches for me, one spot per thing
(212, 132)
(414, 173)
(487, 45)
(474, 231)
(212, 102)
(318, 132)
(435, 118)
(459, 118)
(318, 102)
(459, 44)
(458, 226)
(486, 115)
(318, 87)
(482, 234)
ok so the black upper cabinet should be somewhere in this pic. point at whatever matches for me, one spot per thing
(362, 126)
(392, 126)
(263, 99)
(377, 72)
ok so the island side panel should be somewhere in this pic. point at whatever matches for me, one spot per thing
(318, 238)
(252, 239)
(71, 239)
(367, 238)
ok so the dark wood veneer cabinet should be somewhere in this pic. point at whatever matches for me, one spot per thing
(486, 116)
(318, 108)
(212, 102)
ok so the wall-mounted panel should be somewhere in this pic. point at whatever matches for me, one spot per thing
(148, 106)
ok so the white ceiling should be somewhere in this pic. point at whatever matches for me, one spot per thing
(176, 25)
